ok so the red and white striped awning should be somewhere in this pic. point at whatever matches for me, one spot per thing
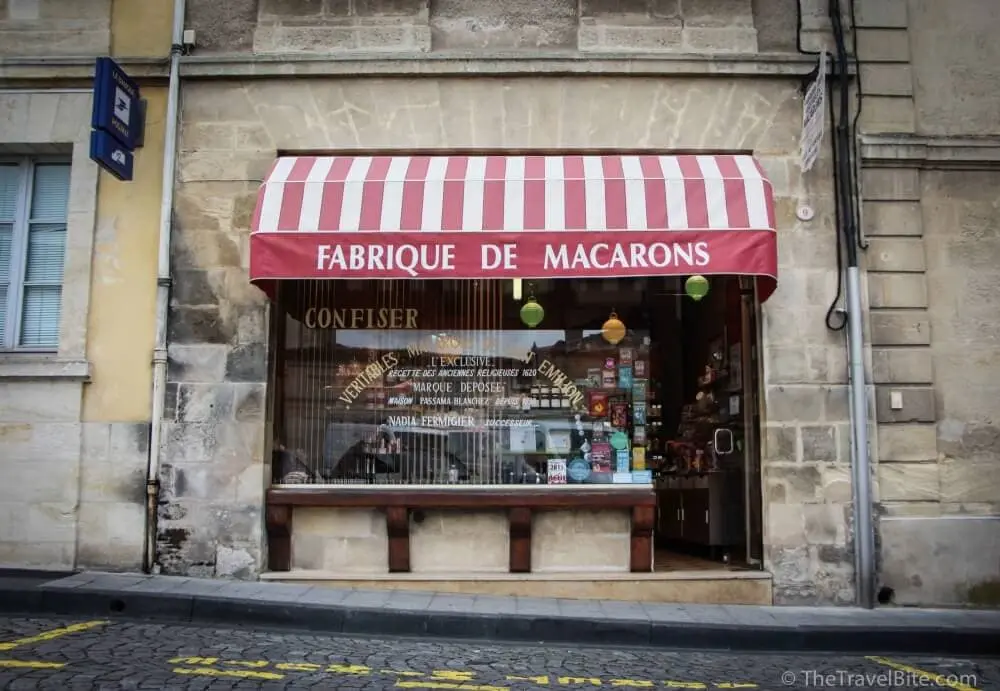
(513, 217)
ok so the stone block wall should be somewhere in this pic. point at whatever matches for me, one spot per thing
(355, 541)
(40, 435)
(954, 63)
(55, 27)
(331, 26)
(883, 41)
(460, 542)
(930, 152)
(939, 448)
(584, 541)
(213, 467)
(321, 27)
(904, 449)
(806, 435)
(112, 495)
(341, 541)
(516, 24)
(675, 26)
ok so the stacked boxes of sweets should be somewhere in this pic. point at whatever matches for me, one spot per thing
(547, 398)
(638, 381)
(620, 409)
(647, 418)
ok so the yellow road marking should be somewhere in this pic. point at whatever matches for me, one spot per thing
(446, 685)
(238, 674)
(54, 633)
(360, 670)
(452, 675)
(31, 664)
(459, 680)
(299, 667)
(939, 679)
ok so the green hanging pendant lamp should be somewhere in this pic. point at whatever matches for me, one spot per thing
(696, 287)
(532, 313)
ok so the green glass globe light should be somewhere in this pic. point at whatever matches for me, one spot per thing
(532, 313)
(696, 287)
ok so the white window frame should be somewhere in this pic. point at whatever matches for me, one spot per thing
(61, 129)
(10, 343)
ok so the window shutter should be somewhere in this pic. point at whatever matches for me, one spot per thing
(9, 185)
(46, 248)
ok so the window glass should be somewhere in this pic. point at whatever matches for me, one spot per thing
(50, 192)
(9, 188)
(46, 245)
(443, 382)
(10, 179)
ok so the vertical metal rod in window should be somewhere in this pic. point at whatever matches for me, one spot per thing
(314, 341)
(295, 443)
(496, 288)
(311, 393)
(485, 328)
(312, 390)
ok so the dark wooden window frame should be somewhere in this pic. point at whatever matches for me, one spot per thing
(400, 506)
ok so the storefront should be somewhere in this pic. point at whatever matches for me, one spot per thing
(256, 249)
(515, 363)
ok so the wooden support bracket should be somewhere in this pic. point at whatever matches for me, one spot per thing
(278, 520)
(641, 548)
(519, 519)
(397, 522)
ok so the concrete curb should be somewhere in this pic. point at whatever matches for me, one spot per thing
(387, 620)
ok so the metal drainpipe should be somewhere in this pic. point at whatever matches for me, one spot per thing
(864, 529)
(163, 289)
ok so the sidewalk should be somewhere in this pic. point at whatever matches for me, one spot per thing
(586, 622)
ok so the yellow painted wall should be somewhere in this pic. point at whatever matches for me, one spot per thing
(141, 28)
(122, 318)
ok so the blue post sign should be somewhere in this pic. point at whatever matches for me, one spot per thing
(111, 155)
(117, 119)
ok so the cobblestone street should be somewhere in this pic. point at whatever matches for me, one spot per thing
(64, 654)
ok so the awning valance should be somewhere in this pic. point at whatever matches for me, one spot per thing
(513, 217)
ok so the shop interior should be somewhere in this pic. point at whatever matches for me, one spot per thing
(647, 380)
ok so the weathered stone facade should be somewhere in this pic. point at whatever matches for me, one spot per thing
(930, 151)
(230, 133)
(74, 419)
(554, 74)
(52, 27)
(71, 490)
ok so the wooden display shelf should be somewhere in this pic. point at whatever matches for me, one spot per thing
(398, 505)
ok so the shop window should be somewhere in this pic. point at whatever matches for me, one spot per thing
(444, 382)
(33, 212)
